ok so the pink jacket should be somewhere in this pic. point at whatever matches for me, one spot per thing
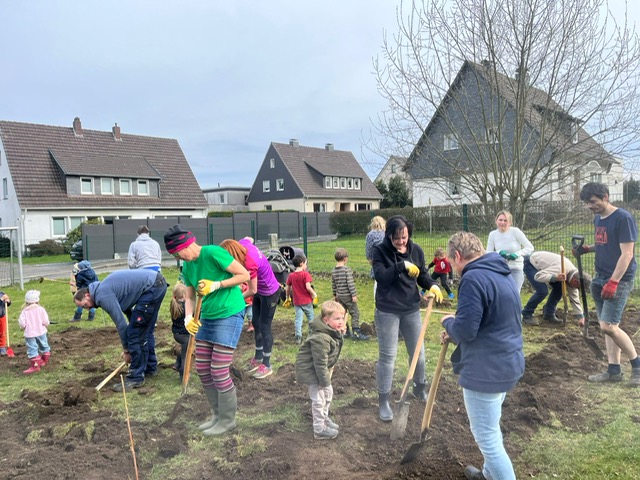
(34, 320)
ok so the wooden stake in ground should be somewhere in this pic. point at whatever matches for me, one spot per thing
(190, 349)
(126, 409)
(111, 375)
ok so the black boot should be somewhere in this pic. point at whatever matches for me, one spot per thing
(358, 335)
(472, 473)
(420, 391)
(385, 412)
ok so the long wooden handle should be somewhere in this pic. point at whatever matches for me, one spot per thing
(431, 400)
(186, 373)
(111, 375)
(416, 351)
(564, 284)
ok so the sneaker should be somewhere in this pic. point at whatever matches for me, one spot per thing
(254, 365)
(263, 371)
(298, 339)
(529, 320)
(331, 424)
(326, 434)
(634, 381)
(551, 318)
(606, 377)
(128, 385)
(3, 351)
(451, 296)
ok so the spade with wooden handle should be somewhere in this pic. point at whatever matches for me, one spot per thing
(564, 288)
(190, 349)
(401, 414)
(415, 449)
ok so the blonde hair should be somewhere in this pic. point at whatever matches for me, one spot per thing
(466, 244)
(330, 307)
(177, 307)
(507, 214)
(439, 252)
(377, 223)
(236, 250)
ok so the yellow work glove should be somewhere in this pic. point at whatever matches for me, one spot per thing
(191, 324)
(435, 291)
(315, 300)
(287, 303)
(205, 287)
(412, 270)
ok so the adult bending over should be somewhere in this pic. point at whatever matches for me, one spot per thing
(399, 268)
(489, 357)
(512, 245)
(213, 273)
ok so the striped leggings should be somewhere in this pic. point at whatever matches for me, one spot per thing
(212, 365)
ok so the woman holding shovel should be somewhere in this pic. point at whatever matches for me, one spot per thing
(489, 357)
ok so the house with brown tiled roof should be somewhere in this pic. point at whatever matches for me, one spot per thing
(310, 179)
(471, 139)
(54, 178)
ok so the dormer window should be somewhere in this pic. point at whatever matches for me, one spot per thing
(106, 186)
(143, 187)
(327, 182)
(450, 142)
(86, 186)
(336, 182)
(350, 183)
(125, 187)
(356, 184)
(343, 182)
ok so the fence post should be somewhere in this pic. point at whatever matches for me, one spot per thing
(253, 230)
(465, 217)
(304, 236)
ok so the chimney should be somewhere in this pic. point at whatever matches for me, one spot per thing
(329, 147)
(77, 127)
(116, 132)
(294, 142)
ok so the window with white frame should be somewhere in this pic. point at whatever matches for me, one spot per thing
(75, 222)
(356, 184)
(221, 199)
(58, 225)
(266, 186)
(343, 182)
(596, 177)
(350, 183)
(272, 163)
(450, 142)
(106, 186)
(280, 184)
(328, 181)
(336, 182)
(143, 187)
(125, 187)
(86, 186)
(268, 208)
(5, 188)
(394, 167)
(454, 187)
(319, 207)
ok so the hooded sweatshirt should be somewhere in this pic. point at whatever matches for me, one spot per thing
(397, 291)
(487, 327)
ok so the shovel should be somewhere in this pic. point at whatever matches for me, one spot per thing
(10, 353)
(190, 349)
(401, 414)
(415, 449)
(564, 288)
(578, 241)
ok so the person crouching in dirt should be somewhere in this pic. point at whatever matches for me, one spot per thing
(216, 275)
(132, 298)
(180, 332)
(399, 267)
(314, 366)
(489, 356)
(541, 268)
(5, 301)
(83, 276)
(34, 320)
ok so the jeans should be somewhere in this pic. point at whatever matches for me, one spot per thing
(541, 290)
(610, 310)
(484, 411)
(518, 276)
(387, 327)
(37, 345)
(307, 310)
(92, 313)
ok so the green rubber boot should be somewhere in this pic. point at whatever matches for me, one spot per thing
(227, 407)
(212, 396)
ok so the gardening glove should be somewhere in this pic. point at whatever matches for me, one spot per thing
(205, 287)
(412, 269)
(512, 256)
(581, 250)
(315, 300)
(435, 291)
(287, 303)
(503, 253)
(609, 289)
(191, 324)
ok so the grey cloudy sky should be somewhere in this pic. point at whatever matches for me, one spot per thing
(224, 78)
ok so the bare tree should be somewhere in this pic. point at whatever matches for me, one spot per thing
(535, 92)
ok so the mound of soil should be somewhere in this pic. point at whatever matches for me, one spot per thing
(64, 432)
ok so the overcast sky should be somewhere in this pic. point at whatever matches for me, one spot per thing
(224, 78)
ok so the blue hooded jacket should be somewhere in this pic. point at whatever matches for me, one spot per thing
(487, 327)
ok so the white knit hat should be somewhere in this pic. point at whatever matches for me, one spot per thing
(32, 296)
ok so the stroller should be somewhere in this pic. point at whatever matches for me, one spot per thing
(281, 262)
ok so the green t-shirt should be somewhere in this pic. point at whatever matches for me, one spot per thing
(211, 265)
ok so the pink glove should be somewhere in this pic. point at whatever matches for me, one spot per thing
(609, 289)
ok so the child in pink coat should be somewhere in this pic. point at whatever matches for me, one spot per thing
(34, 320)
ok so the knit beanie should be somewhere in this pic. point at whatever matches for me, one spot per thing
(177, 238)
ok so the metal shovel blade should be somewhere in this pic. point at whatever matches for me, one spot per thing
(400, 418)
(595, 348)
(415, 448)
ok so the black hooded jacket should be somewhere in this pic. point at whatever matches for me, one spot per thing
(397, 292)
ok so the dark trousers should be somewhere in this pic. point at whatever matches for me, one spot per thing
(443, 280)
(351, 307)
(541, 291)
(140, 331)
(264, 308)
(183, 340)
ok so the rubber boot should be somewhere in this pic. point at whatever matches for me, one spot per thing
(45, 358)
(227, 407)
(472, 473)
(212, 396)
(35, 366)
(385, 412)
(420, 391)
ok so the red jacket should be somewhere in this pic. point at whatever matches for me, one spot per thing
(442, 265)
